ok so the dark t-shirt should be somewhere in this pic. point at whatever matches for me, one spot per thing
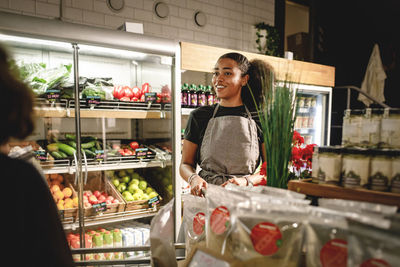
(199, 118)
(34, 229)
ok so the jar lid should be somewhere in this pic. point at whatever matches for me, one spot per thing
(356, 151)
(354, 112)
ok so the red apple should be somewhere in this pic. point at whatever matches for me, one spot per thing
(108, 202)
(111, 198)
(96, 193)
(101, 199)
(115, 201)
(93, 199)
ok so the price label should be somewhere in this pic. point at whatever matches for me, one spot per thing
(100, 207)
(99, 155)
(93, 100)
(154, 201)
(53, 95)
(141, 153)
(41, 155)
(150, 97)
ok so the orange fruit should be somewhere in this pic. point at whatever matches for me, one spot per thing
(67, 192)
(54, 188)
(59, 195)
(60, 206)
(75, 201)
(53, 176)
(60, 178)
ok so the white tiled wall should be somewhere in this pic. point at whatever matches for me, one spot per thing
(229, 22)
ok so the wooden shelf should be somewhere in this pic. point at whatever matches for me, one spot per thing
(196, 57)
(333, 191)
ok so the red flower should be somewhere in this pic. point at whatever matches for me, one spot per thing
(297, 139)
(263, 170)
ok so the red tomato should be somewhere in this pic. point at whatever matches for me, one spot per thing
(142, 98)
(136, 92)
(146, 88)
(135, 99)
(128, 152)
(125, 98)
(97, 193)
(159, 97)
(134, 145)
(128, 91)
(118, 92)
(121, 151)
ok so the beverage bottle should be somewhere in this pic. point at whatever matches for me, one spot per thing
(185, 95)
(117, 242)
(108, 243)
(98, 243)
(201, 96)
(209, 96)
(193, 96)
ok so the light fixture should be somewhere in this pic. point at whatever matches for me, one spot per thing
(116, 5)
(200, 18)
(161, 9)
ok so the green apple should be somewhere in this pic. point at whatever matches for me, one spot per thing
(135, 175)
(115, 182)
(134, 181)
(125, 179)
(126, 194)
(130, 171)
(122, 173)
(121, 187)
(142, 185)
(153, 194)
(137, 196)
(149, 190)
(169, 187)
(145, 197)
(132, 188)
(165, 181)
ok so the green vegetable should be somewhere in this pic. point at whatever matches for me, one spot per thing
(62, 154)
(66, 149)
(89, 153)
(89, 144)
(72, 143)
(56, 155)
(70, 137)
(52, 147)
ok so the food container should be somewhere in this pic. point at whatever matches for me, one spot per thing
(371, 128)
(329, 165)
(390, 129)
(381, 169)
(352, 122)
(355, 168)
(395, 177)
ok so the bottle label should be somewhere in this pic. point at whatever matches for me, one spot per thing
(184, 99)
(202, 100)
(193, 100)
(266, 238)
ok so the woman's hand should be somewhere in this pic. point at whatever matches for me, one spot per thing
(196, 185)
(240, 181)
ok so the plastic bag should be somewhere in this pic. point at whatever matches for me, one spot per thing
(372, 246)
(221, 205)
(267, 190)
(194, 215)
(273, 237)
(357, 206)
(162, 237)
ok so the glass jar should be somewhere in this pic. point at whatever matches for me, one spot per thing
(201, 96)
(185, 95)
(370, 133)
(315, 166)
(329, 165)
(301, 102)
(390, 129)
(355, 168)
(193, 96)
(352, 127)
(395, 177)
(381, 169)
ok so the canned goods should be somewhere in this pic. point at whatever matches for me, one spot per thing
(371, 127)
(329, 165)
(390, 129)
(352, 127)
(395, 177)
(381, 169)
(355, 168)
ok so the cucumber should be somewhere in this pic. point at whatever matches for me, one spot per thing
(89, 144)
(56, 155)
(52, 147)
(93, 149)
(72, 143)
(66, 149)
(70, 136)
(63, 154)
(89, 153)
(98, 145)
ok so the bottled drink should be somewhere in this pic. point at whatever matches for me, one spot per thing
(193, 96)
(185, 95)
(209, 96)
(201, 96)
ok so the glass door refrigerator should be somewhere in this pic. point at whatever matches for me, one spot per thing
(314, 114)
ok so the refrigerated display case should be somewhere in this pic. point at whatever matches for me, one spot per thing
(105, 114)
(314, 114)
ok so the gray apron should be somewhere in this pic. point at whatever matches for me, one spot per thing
(229, 149)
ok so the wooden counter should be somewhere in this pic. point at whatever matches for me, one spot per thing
(202, 58)
(333, 191)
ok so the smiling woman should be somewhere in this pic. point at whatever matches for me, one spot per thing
(225, 139)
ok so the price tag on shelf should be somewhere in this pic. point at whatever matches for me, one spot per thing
(53, 95)
(99, 155)
(141, 152)
(41, 155)
(154, 201)
(150, 97)
(100, 207)
(93, 100)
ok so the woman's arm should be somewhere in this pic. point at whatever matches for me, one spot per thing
(187, 168)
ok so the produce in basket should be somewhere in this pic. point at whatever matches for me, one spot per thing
(62, 194)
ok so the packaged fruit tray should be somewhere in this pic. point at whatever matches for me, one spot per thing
(134, 189)
(131, 150)
(64, 195)
(115, 104)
